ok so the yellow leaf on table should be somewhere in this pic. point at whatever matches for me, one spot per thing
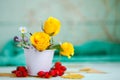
(85, 69)
(7, 75)
(90, 70)
(73, 76)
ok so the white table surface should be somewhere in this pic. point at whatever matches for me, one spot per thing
(112, 72)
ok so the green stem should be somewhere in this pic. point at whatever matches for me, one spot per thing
(52, 42)
(23, 36)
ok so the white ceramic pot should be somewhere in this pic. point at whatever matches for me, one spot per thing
(38, 61)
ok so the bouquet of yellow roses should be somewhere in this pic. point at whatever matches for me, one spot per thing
(44, 40)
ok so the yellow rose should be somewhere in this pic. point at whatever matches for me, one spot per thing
(40, 40)
(51, 26)
(67, 49)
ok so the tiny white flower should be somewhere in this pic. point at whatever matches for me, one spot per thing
(23, 29)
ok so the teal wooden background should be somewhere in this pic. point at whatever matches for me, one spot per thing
(83, 23)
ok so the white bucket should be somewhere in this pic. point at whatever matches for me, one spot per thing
(38, 61)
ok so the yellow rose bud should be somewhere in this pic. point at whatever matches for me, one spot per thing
(51, 26)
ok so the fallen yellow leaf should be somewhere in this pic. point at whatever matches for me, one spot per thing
(90, 70)
(73, 76)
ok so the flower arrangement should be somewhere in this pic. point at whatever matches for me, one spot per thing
(43, 40)
(40, 45)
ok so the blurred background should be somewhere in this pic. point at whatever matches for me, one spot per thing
(93, 26)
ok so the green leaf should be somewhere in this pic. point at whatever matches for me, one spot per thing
(57, 46)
